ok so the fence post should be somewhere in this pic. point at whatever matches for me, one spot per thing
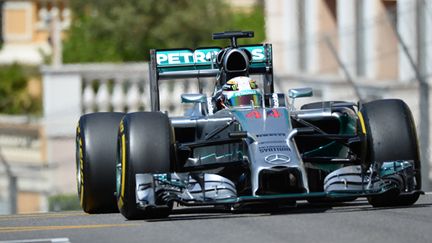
(62, 99)
(13, 193)
(13, 185)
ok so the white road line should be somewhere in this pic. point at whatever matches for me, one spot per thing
(428, 193)
(55, 240)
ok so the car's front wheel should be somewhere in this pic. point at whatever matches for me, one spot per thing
(391, 136)
(95, 161)
(145, 146)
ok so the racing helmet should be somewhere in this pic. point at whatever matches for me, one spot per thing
(241, 92)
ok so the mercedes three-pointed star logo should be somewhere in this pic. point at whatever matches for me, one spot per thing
(277, 159)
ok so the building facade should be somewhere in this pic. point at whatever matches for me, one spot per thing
(357, 50)
(29, 29)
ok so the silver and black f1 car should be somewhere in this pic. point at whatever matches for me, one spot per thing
(244, 145)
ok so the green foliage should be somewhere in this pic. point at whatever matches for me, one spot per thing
(64, 202)
(14, 96)
(250, 20)
(125, 30)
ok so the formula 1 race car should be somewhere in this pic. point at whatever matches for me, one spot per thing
(244, 144)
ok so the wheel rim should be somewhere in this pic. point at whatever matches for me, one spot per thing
(118, 171)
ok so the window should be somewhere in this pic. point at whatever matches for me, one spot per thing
(17, 21)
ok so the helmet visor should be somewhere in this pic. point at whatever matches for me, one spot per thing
(245, 100)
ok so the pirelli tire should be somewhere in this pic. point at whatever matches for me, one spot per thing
(96, 143)
(145, 146)
(391, 136)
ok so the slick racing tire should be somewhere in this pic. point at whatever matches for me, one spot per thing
(391, 136)
(145, 145)
(96, 143)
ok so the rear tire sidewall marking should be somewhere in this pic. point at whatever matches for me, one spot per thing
(80, 166)
(362, 122)
(122, 161)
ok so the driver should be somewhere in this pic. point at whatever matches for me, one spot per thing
(238, 92)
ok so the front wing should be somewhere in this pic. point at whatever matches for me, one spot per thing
(211, 189)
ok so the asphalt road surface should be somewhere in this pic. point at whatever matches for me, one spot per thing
(350, 222)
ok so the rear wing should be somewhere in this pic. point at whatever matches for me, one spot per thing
(199, 63)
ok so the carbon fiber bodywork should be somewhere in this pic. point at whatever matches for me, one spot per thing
(270, 153)
(252, 154)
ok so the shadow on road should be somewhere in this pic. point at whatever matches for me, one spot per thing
(209, 213)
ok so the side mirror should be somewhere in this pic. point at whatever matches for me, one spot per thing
(301, 92)
(193, 98)
(199, 102)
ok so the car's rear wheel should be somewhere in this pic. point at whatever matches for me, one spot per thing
(96, 139)
(391, 136)
(145, 147)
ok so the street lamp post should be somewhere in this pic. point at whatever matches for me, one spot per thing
(55, 32)
(51, 21)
